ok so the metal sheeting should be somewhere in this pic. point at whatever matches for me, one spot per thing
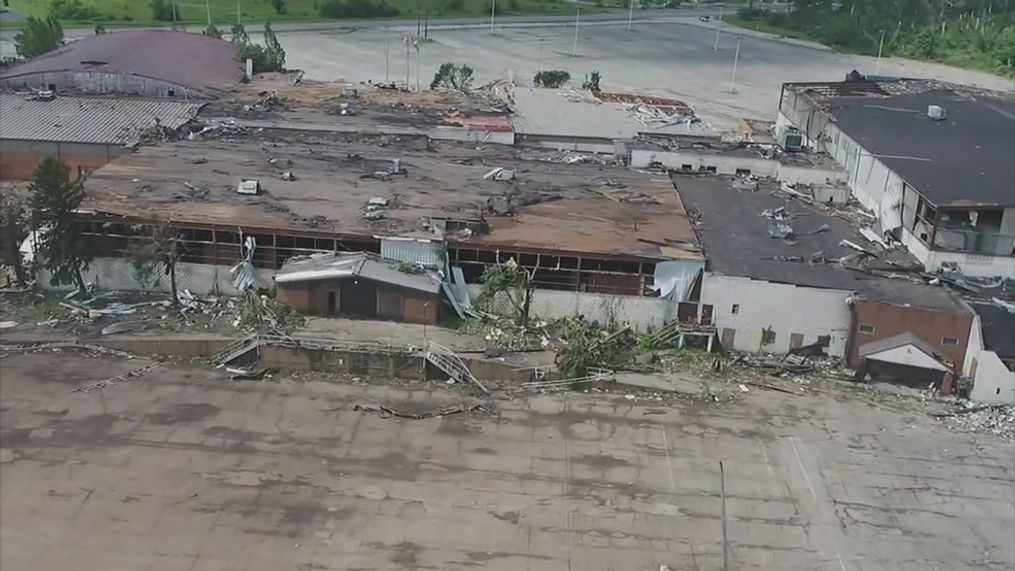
(103, 120)
(428, 253)
(675, 279)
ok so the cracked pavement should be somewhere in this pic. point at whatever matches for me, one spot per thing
(184, 469)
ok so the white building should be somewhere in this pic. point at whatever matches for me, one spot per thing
(934, 161)
(990, 358)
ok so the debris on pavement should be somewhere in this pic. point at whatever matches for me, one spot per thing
(115, 380)
(386, 412)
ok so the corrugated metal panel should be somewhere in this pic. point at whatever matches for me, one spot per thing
(105, 120)
(429, 253)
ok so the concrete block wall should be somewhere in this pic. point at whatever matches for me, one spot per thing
(786, 309)
(200, 279)
(641, 313)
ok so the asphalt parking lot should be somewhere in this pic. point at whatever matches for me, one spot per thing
(181, 468)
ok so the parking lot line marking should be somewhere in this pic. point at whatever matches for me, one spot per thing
(807, 478)
(669, 464)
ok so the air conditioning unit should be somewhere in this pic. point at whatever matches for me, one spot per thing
(793, 140)
(936, 112)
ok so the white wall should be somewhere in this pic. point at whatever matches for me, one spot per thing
(973, 347)
(993, 382)
(973, 265)
(200, 279)
(793, 174)
(638, 312)
(787, 309)
(723, 163)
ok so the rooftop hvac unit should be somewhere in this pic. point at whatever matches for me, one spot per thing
(793, 140)
(936, 112)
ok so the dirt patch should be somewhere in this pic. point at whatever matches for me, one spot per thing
(184, 413)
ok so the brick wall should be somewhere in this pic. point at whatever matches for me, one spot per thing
(931, 325)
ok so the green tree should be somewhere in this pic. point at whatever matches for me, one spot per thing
(453, 76)
(13, 229)
(592, 82)
(163, 11)
(38, 36)
(274, 50)
(55, 199)
(279, 6)
(100, 29)
(157, 253)
(212, 31)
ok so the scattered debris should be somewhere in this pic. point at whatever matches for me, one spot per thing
(248, 186)
(244, 375)
(114, 380)
(992, 419)
(386, 412)
(501, 174)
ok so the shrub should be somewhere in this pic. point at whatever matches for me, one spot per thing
(551, 78)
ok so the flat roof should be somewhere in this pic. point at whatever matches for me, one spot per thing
(195, 61)
(104, 120)
(998, 326)
(580, 209)
(735, 238)
(963, 160)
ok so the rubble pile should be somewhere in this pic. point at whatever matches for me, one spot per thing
(997, 420)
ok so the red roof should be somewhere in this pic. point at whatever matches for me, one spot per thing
(201, 63)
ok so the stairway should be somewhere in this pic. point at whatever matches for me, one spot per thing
(446, 360)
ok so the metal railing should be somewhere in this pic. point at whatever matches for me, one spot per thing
(595, 375)
(448, 361)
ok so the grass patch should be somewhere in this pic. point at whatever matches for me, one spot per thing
(766, 27)
(126, 13)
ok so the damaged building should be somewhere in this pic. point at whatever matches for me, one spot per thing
(783, 275)
(93, 99)
(606, 242)
(932, 160)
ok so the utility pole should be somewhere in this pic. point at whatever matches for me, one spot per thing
(577, 23)
(722, 497)
(541, 40)
(207, 9)
(493, 11)
(405, 40)
(387, 56)
(715, 47)
(417, 65)
(238, 12)
(630, 15)
(877, 63)
(736, 59)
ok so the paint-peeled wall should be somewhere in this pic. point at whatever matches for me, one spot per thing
(947, 331)
(641, 313)
(743, 309)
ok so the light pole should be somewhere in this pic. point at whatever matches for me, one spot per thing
(493, 11)
(387, 56)
(630, 15)
(881, 45)
(577, 24)
(207, 9)
(405, 41)
(417, 64)
(238, 12)
(736, 59)
(541, 40)
(715, 47)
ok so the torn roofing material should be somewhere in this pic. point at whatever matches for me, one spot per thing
(208, 66)
(963, 160)
(737, 241)
(102, 120)
(549, 207)
(358, 265)
(998, 327)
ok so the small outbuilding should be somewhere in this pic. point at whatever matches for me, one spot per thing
(360, 285)
(906, 358)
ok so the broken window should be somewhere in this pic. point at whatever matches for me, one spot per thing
(706, 314)
(973, 230)
(743, 172)
(767, 336)
(867, 329)
(949, 341)
(687, 167)
(735, 309)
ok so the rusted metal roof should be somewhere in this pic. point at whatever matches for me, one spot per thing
(103, 120)
(194, 61)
